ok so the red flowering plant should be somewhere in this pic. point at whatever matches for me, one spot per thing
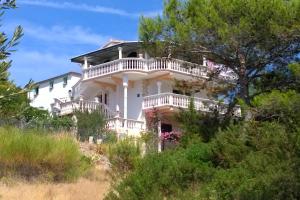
(152, 119)
(173, 136)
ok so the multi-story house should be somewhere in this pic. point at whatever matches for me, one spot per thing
(58, 88)
(126, 83)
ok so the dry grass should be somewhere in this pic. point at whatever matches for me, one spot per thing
(95, 186)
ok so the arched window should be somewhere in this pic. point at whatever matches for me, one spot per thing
(132, 55)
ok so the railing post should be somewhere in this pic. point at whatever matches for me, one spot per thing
(169, 64)
(81, 103)
(97, 104)
(171, 100)
(125, 87)
(146, 67)
(120, 65)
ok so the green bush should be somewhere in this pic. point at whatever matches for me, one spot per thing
(167, 174)
(251, 160)
(30, 154)
(255, 161)
(124, 156)
(90, 123)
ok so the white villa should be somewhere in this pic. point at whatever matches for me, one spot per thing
(46, 92)
(126, 83)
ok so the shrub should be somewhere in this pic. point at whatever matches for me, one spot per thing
(251, 160)
(35, 118)
(166, 174)
(124, 156)
(31, 154)
(150, 139)
(256, 160)
(89, 123)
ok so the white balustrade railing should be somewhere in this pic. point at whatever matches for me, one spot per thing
(177, 100)
(71, 106)
(145, 65)
(113, 121)
(120, 123)
(133, 64)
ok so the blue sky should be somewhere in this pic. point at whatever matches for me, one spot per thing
(56, 30)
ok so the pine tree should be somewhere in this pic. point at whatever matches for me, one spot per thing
(252, 38)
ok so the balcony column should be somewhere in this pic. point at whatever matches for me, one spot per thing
(125, 87)
(204, 61)
(120, 52)
(85, 67)
(120, 65)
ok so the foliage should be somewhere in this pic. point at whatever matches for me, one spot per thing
(31, 154)
(12, 106)
(89, 123)
(196, 125)
(32, 113)
(13, 99)
(123, 156)
(109, 136)
(258, 161)
(251, 160)
(41, 120)
(150, 139)
(251, 38)
(283, 107)
(165, 174)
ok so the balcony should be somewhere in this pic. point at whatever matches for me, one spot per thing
(69, 107)
(114, 122)
(170, 100)
(148, 66)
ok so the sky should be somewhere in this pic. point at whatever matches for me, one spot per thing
(57, 30)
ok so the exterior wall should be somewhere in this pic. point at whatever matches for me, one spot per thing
(166, 86)
(93, 90)
(135, 100)
(46, 96)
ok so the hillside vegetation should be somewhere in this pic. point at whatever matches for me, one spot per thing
(32, 154)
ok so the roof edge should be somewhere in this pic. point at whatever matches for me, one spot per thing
(59, 76)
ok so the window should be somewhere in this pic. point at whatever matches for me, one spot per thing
(51, 84)
(36, 91)
(65, 81)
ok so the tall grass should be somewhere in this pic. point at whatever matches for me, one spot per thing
(31, 154)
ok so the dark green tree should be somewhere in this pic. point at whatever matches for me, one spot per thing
(251, 38)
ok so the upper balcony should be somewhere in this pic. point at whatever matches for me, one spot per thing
(171, 100)
(149, 66)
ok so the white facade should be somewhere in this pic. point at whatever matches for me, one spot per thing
(45, 92)
(123, 81)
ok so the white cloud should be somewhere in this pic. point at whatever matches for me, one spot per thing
(64, 35)
(58, 34)
(39, 65)
(87, 8)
